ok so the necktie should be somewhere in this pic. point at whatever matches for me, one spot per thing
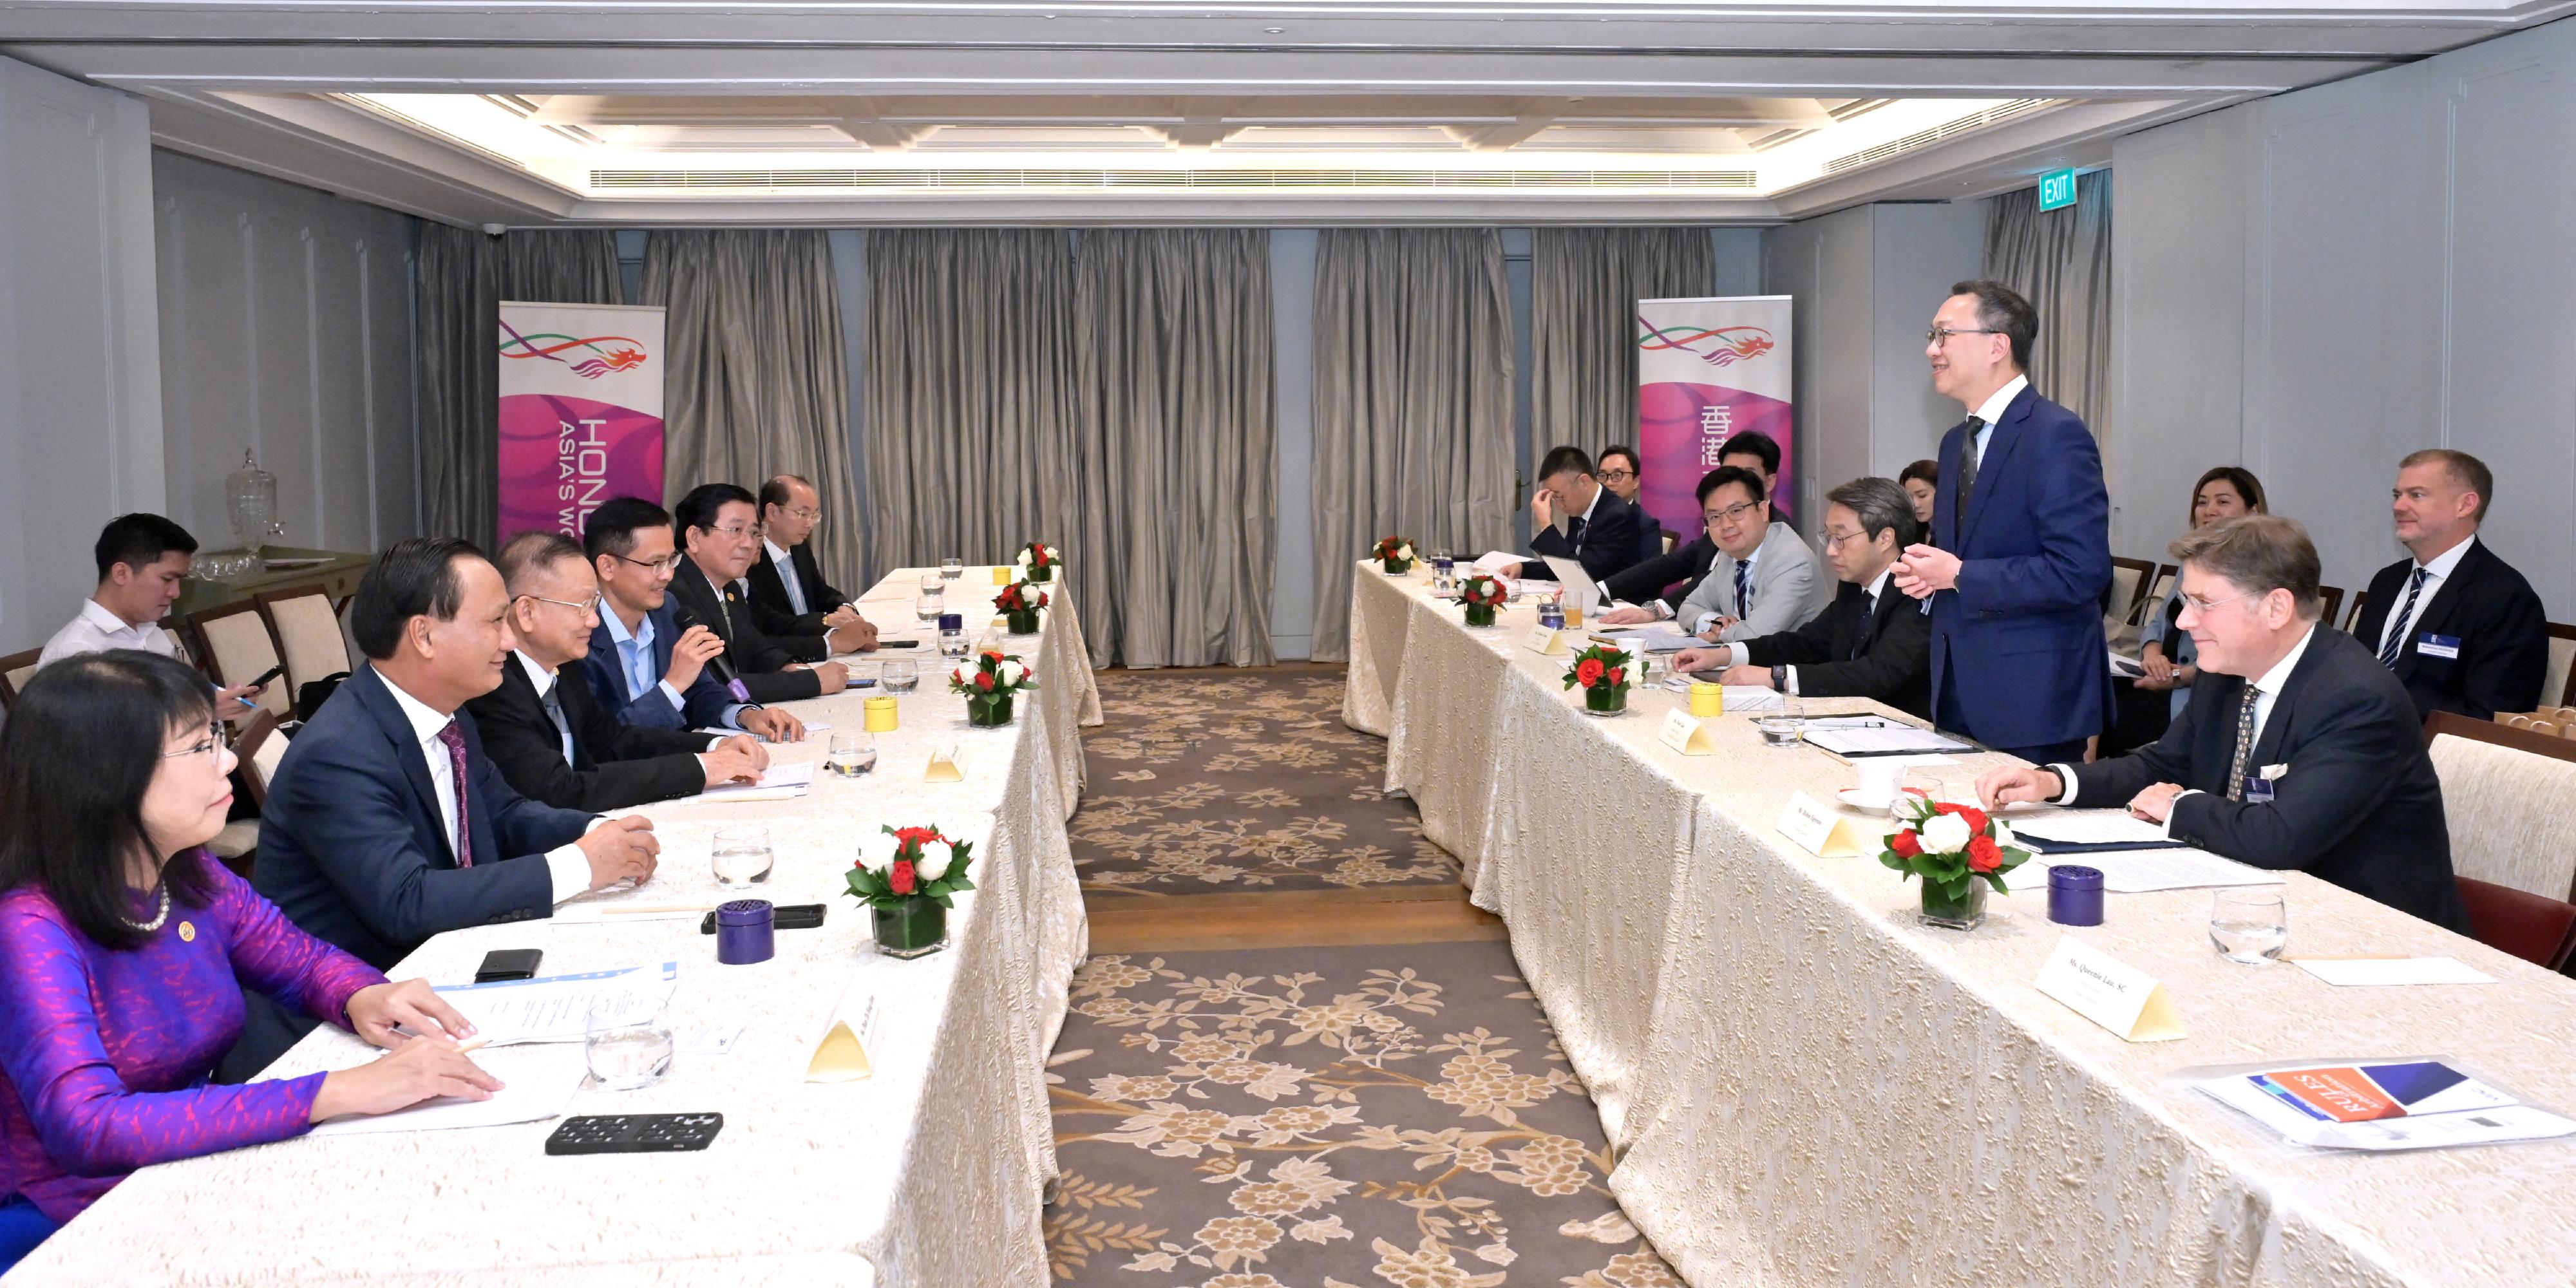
(1968, 463)
(455, 740)
(2244, 745)
(1868, 618)
(2396, 641)
(1743, 590)
(1574, 529)
(563, 727)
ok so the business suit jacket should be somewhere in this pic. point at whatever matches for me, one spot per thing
(2502, 629)
(758, 659)
(2019, 644)
(702, 705)
(1790, 587)
(353, 848)
(613, 765)
(773, 612)
(1607, 546)
(1850, 651)
(1679, 568)
(2358, 806)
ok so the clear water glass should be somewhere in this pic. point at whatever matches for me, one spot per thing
(900, 675)
(742, 856)
(626, 1040)
(952, 568)
(2249, 927)
(933, 598)
(852, 754)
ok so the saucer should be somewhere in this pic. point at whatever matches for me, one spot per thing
(1850, 797)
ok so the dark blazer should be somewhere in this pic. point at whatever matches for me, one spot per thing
(1668, 576)
(2359, 806)
(758, 659)
(2491, 610)
(613, 765)
(1608, 544)
(2019, 645)
(1847, 651)
(703, 705)
(771, 609)
(353, 849)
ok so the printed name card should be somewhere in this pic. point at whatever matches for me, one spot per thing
(1687, 734)
(944, 768)
(1821, 828)
(2110, 992)
(840, 1058)
(1544, 639)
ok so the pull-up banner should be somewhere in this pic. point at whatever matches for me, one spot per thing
(581, 411)
(1707, 370)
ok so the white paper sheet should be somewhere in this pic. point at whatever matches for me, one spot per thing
(1660, 637)
(2092, 827)
(1889, 738)
(2384, 972)
(548, 1009)
(536, 1083)
(779, 782)
(2139, 871)
(1493, 562)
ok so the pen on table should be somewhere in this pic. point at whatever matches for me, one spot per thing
(475, 1043)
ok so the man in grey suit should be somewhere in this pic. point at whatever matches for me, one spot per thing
(1764, 580)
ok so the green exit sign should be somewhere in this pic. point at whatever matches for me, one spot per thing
(2056, 188)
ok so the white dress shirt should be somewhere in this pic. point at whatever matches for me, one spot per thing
(96, 630)
(1992, 410)
(569, 867)
(1742, 655)
(2435, 573)
(2267, 691)
(786, 577)
(545, 681)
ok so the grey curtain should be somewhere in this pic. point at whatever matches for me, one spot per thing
(2061, 261)
(1412, 402)
(758, 384)
(973, 445)
(460, 278)
(1179, 467)
(1584, 288)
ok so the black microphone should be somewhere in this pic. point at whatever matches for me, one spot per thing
(724, 672)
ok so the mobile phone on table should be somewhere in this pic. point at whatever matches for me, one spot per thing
(508, 963)
(899, 644)
(786, 916)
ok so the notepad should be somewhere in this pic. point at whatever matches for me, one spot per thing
(777, 783)
(554, 1008)
(2066, 831)
(1889, 739)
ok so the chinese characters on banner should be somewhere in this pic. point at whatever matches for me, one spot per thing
(1707, 370)
(580, 413)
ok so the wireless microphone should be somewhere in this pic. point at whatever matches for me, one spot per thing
(724, 672)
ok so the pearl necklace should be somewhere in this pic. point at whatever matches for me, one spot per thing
(157, 918)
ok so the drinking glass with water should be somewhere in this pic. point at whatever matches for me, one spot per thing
(852, 754)
(742, 856)
(899, 675)
(626, 1040)
(2249, 926)
(933, 598)
(952, 568)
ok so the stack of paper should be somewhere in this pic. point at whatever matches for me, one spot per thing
(2068, 831)
(1493, 562)
(2139, 871)
(1879, 738)
(536, 1083)
(779, 783)
(551, 1009)
(2412, 1104)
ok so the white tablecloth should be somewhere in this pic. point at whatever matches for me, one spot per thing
(929, 1173)
(1805, 1086)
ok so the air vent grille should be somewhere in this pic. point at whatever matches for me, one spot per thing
(996, 179)
(1942, 133)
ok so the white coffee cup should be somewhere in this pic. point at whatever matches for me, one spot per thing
(1877, 784)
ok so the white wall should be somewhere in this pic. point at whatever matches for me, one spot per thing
(286, 329)
(80, 397)
(2316, 284)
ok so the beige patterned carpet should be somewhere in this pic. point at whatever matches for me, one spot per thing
(1241, 782)
(1313, 1118)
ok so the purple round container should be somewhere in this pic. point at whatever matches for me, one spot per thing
(2075, 895)
(746, 932)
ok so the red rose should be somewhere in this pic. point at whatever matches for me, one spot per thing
(1975, 818)
(994, 654)
(1906, 844)
(1588, 671)
(1038, 557)
(899, 877)
(984, 681)
(1618, 675)
(1984, 855)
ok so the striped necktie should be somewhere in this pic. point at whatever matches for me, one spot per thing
(1743, 589)
(2396, 641)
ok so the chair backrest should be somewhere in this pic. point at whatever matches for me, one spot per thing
(15, 670)
(239, 645)
(261, 746)
(308, 633)
(2129, 581)
(2558, 687)
(2505, 793)
(2330, 602)
(2538, 930)
(2360, 599)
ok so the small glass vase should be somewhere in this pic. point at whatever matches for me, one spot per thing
(1041, 573)
(1023, 621)
(1964, 913)
(1397, 567)
(1480, 614)
(989, 713)
(1606, 700)
(916, 927)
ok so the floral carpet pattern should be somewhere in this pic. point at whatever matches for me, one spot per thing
(1353, 1118)
(1204, 784)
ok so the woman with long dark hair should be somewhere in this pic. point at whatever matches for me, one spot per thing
(2224, 493)
(125, 947)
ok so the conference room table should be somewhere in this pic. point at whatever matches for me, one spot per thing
(929, 1172)
(1802, 1084)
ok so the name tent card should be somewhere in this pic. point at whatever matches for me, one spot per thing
(1687, 734)
(1544, 639)
(943, 767)
(840, 1058)
(1826, 831)
(2110, 992)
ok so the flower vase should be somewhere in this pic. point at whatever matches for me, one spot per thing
(1041, 573)
(913, 928)
(1605, 700)
(1023, 621)
(1480, 614)
(1397, 567)
(1963, 912)
(989, 713)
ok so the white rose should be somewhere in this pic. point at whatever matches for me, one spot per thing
(1405, 553)
(1023, 560)
(876, 853)
(1009, 672)
(934, 861)
(1945, 834)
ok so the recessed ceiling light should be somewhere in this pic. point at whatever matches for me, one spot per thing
(1273, 31)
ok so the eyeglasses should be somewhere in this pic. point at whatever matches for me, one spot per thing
(808, 514)
(217, 741)
(1731, 513)
(1942, 334)
(1615, 476)
(752, 530)
(1834, 540)
(2205, 607)
(662, 565)
(578, 606)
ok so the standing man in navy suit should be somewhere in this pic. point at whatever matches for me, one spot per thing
(2021, 549)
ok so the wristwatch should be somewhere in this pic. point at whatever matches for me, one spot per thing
(1780, 678)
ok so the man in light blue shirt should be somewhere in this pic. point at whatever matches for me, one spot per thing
(631, 670)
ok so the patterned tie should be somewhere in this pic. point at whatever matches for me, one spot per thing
(1968, 463)
(2244, 745)
(1743, 589)
(1574, 530)
(455, 740)
(2396, 641)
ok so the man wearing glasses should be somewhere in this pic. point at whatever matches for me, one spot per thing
(1764, 579)
(641, 665)
(2021, 543)
(544, 731)
(788, 594)
(720, 531)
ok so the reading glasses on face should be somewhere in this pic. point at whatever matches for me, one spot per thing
(1942, 334)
